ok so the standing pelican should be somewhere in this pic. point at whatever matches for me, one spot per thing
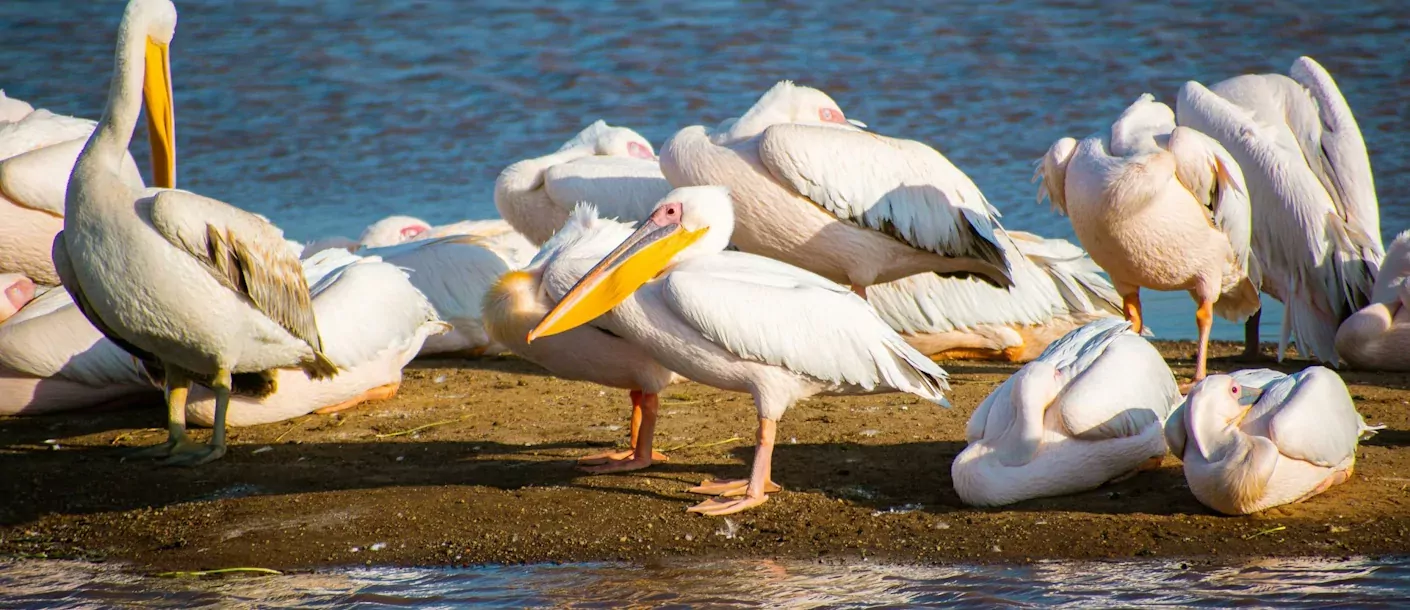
(207, 290)
(738, 322)
(1089, 410)
(1258, 438)
(1316, 223)
(612, 167)
(521, 299)
(1378, 336)
(1159, 207)
(1056, 288)
(37, 151)
(814, 190)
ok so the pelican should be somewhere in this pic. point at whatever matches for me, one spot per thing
(738, 322)
(814, 190)
(496, 234)
(1378, 336)
(1088, 411)
(1159, 207)
(612, 167)
(1316, 223)
(1056, 288)
(37, 151)
(521, 299)
(206, 290)
(373, 321)
(1258, 438)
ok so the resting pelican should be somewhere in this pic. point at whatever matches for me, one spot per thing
(1316, 223)
(738, 322)
(1378, 336)
(496, 234)
(1258, 438)
(814, 190)
(612, 167)
(207, 290)
(1159, 207)
(37, 151)
(1056, 289)
(373, 322)
(1088, 411)
(521, 299)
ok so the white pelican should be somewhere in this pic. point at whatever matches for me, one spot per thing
(1159, 207)
(373, 322)
(1378, 336)
(495, 234)
(814, 190)
(521, 299)
(1258, 438)
(1056, 289)
(209, 291)
(37, 151)
(738, 322)
(1088, 411)
(612, 167)
(1316, 223)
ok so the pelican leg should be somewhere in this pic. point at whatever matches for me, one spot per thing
(756, 492)
(860, 291)
(643, 432)
(1131, 305)
(1204, 318)
(177, 387)
(608, 456)
(1251, 337)
(220, 384)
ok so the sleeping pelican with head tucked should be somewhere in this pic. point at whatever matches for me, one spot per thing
(1378, 336)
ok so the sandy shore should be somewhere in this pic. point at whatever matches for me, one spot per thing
(490, 478)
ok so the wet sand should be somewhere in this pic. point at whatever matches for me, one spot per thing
(490, 477)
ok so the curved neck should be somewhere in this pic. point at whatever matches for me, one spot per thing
(1212, 438)
(114, 132)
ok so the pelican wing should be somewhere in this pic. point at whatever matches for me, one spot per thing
(625, 188)
(454, 273)
(1339, 159)
(38, 154)
(39, 129)
(763, 310)
(1117, 383)
(69, 279)
(1051, 173)
(1176, 433)
(900, 187)
(1212, 175)
(1316, 421)
(245, 253)
(51, 337)
(366, 306)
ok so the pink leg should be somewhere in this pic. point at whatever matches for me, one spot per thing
(1204, 318)
(860, 291)
(641, 454)
(608, 456)
(756, 491)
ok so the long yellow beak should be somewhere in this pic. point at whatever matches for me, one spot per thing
(640, 258)
(161, 120)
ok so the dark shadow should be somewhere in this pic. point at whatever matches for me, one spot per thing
(1389, 438)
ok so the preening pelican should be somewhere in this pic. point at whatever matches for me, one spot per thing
(37, 152)
(495, 234)
(1159, 207)
(210, 292)
(1258, 438)
(1316, 223)
(1056, 288)
(738, 322)
(813, 189)
(521, 299)
(613, 168)
(1378, 336)
(1089, 410)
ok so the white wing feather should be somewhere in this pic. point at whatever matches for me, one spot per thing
(1214, 178)
(453, 273)
(623, 188)
(365, 306)
(50, 337)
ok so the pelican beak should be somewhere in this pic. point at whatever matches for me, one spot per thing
(1248, 396)
(161, 121)
(857, 123)
(640, 258)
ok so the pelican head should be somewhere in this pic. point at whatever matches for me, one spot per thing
(149, 25)
(1216, 407)
(688, 223)
(17, 290)
(1140, 123)
(393, 230)
(623, 142)
(786, 102)
(1037, 384)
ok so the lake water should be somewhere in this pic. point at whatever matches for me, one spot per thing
(326, 115)
(1309, 583)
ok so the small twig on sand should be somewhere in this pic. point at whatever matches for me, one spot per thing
(733, 439)
(126, 435)
(220, 571)
(1267, 531)
(420, 428)
(291, 428)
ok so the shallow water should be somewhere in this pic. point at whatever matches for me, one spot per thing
(326, 116)
(1263, 583)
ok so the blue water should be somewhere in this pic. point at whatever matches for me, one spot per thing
(1310, 583)
(327, 115)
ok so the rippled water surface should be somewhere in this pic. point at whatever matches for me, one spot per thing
(1283, 582)
(328, 115)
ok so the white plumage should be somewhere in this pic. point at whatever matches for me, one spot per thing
(1315, 217)
(1089, 410)
(1298, 439)
(1378, 336)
